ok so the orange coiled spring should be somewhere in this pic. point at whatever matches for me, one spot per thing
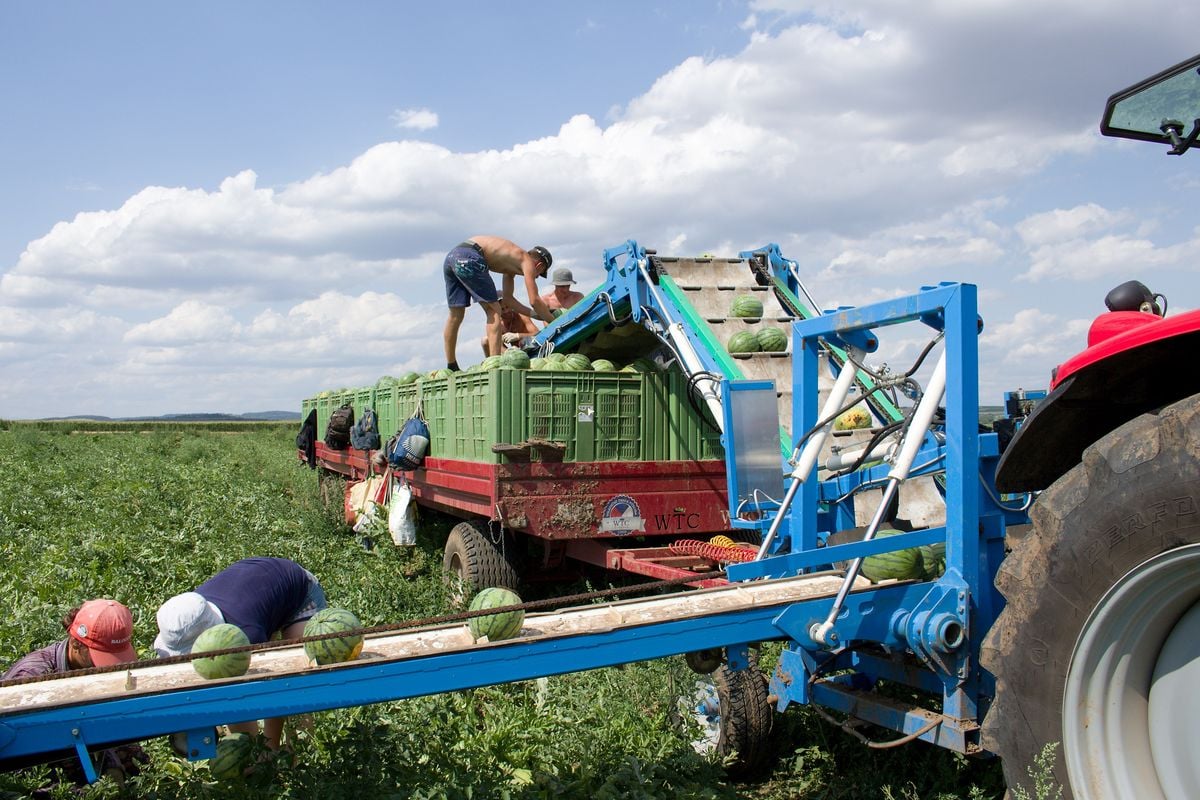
(719, 548)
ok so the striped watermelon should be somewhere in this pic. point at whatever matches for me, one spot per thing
(578, 362)
(746, 306)
(904, 564)
(771, 340)
(515, 358)
(221, 637)
(496, 627)
(232, 758)
(557, 357)
(603, 365)
(408, 377)
(537, 363)
(933, 557)
(742, 342)
(333, 651)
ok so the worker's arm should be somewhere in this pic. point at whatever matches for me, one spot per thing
(530, 268)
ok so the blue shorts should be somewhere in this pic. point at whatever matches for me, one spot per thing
(467, 277)
(314, 601)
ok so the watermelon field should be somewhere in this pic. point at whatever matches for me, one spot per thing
(141, 511)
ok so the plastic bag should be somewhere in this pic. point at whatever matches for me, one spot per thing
(402, 516)
(363, 501)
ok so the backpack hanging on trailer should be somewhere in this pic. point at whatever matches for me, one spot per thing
(337, 432)
(365, 433)
(407, 449)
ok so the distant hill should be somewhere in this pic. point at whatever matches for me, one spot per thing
(249, 416)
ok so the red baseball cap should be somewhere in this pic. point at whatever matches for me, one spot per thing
(105, 628)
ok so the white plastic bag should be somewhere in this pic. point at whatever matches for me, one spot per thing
(402, 517)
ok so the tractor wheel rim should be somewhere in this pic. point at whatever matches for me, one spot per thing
(1130, 718)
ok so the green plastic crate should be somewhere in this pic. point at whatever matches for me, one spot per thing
(690, 434)
(610, 416)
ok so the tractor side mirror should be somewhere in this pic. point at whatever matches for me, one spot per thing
(1163, 108)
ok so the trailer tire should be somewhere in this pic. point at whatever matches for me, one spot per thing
(1096, 623)
(473, 560)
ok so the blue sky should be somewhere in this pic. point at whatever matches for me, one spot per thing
(228, 206)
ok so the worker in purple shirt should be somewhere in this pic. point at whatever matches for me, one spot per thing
(262, 596)
(98, 635)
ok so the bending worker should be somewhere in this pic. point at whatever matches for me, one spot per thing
(262, 596)
(466, 271)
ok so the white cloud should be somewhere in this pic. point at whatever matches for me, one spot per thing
(860, 136)
(418, 119)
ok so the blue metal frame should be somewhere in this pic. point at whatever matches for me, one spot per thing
(942, 621)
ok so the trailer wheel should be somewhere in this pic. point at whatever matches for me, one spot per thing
(474, 561)
(1098, 648)
(735, 718)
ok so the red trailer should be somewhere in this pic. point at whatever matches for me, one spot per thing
(622, 516)
(531, 507)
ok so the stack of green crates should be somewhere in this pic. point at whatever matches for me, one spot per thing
(599, 416)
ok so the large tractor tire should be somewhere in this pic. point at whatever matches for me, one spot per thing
(1097, 651)
(473, 560)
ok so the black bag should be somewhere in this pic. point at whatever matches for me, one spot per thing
(306, 439)
(337, 432)
(407, 449)
(365, 433)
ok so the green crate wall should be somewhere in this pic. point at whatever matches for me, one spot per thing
(690, 433)
(385, 408)
(634, 416)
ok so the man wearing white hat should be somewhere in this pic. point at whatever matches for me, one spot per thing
(262, 596)
(562, 296)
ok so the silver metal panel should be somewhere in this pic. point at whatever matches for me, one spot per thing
(754, 417)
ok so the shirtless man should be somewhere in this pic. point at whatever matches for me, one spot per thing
(466, 272)
(562, 295)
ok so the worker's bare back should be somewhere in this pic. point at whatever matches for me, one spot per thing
(502, 256)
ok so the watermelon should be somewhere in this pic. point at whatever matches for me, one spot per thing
(333, 651)
(409, 377)
(232, 758)
(746, 306)
(496, 627)
(603, 365)
(771, 340)
(854, 419)
(517, 359)
(904, 564)
(536, 363)
(557, 357)
(221, 637)
(386, 381)
(643, 365)
(742, 342)
(577, 362)
(933, 557)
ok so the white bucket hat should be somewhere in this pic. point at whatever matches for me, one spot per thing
(180, 620)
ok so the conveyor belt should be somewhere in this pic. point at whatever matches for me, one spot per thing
(147, 678)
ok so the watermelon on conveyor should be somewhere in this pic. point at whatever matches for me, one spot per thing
(333, 650)
(742, 342)
(746, 306)
(496, 627)
(221, 637)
